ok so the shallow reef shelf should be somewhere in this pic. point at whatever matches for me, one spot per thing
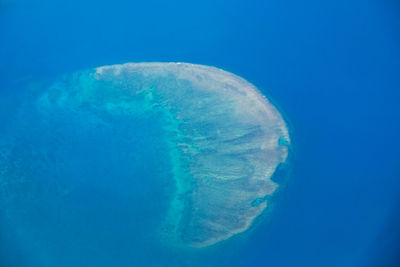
(225, 139)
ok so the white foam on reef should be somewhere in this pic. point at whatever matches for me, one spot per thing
(222, 133)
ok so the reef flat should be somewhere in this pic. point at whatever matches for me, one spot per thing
(225, 139)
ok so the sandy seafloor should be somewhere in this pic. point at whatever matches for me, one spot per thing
(332, 68)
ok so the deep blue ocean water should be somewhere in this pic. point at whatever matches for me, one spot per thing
(333, 69)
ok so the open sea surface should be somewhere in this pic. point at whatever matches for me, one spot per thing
(331, 67)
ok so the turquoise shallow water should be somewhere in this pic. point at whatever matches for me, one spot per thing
(330, 67)
(155, 157)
